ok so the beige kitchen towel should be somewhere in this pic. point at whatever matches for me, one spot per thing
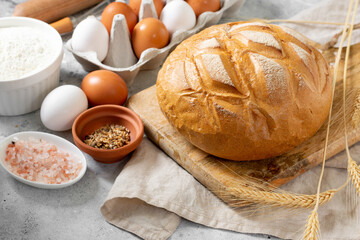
(152, 192)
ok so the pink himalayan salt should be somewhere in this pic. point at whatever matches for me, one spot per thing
(40, 161)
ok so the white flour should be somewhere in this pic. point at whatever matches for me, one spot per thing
(23, 50)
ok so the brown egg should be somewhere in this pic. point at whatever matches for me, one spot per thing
(104, 87)
(135, 5)
(149, 33)
(200, 6)
(118, 8)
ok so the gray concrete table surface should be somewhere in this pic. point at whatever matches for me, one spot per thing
(73, 212)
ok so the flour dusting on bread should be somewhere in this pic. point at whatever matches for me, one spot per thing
(304, 55)
(294, 34)
(275, 75)
(238, 26)
(209, 43)
(216, 69)
(261, 37)
(179, 78)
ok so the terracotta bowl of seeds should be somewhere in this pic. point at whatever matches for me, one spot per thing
(110, 131)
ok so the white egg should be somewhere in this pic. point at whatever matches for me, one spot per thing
(61, 106)
(178, 15)
(91, 35)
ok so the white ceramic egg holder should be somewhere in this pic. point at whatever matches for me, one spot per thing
(121, 58)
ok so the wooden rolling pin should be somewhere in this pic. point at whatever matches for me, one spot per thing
(52, 10)
(64, 25)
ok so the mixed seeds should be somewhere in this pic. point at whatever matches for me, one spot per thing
(111, 136)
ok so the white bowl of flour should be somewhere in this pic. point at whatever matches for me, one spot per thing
(31, 52)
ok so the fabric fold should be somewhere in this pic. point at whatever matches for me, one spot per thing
(152, 192)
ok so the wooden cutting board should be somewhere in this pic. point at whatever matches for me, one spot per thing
(216, 173)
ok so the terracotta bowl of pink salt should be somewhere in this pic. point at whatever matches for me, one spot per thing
(42, 160)
(108, 132)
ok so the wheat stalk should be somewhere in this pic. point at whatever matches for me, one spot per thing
(312, 226)
(353, 168)
(354, 172)
(298, 21)
(275, 199)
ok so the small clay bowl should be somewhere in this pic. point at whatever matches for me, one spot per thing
(97, 117)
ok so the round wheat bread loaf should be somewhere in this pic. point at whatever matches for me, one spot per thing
(245, 91)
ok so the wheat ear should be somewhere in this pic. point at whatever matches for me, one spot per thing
(312, 226)
(354, 172)
(246, 191)
(276, 199)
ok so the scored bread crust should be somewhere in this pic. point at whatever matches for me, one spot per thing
(245, 91)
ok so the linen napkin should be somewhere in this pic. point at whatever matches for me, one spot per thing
(152, 192)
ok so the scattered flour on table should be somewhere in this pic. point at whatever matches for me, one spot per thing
(23, 50)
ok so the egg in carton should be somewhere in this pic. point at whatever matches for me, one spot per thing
(120, 56)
